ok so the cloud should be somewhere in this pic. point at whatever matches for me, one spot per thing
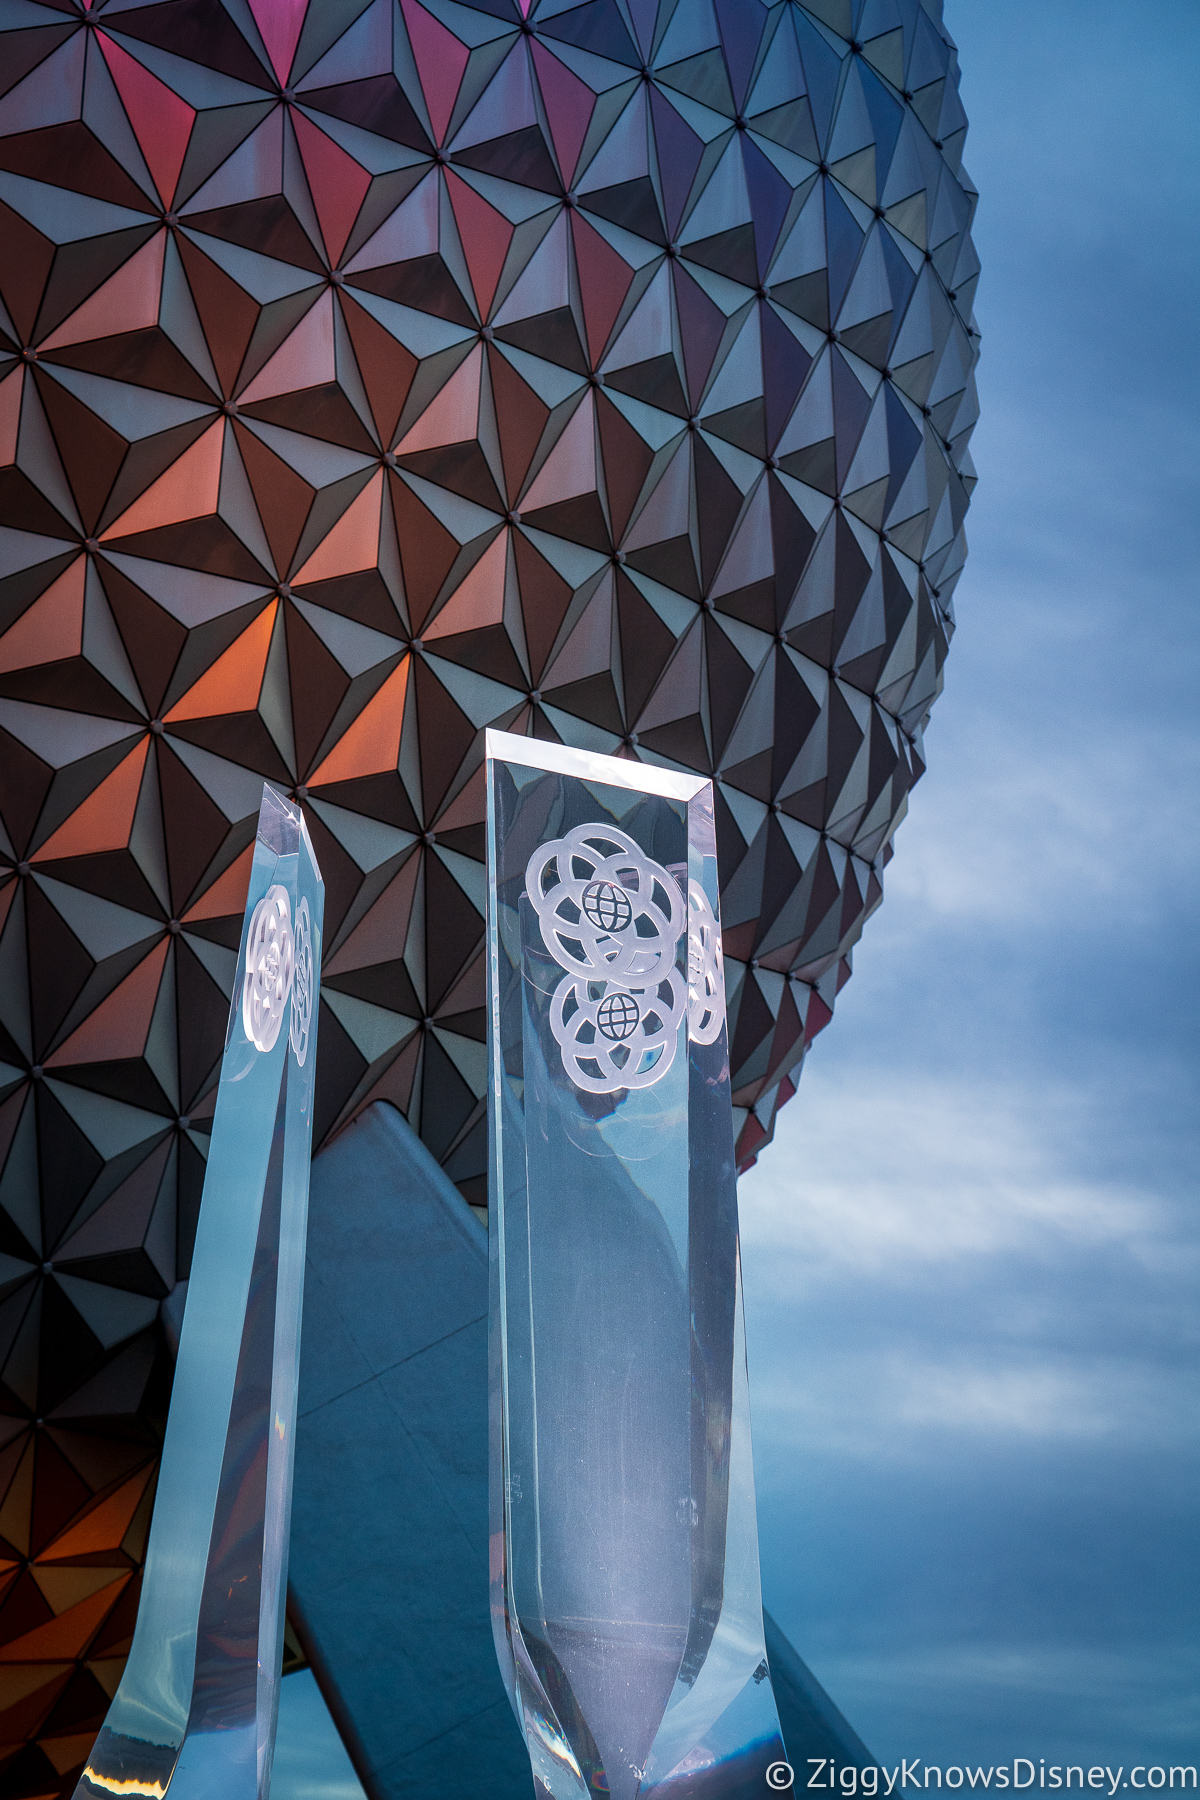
(931, 1259)
(892, 1408)
(876, 1172)
(1022, 833)
(1069, 1703)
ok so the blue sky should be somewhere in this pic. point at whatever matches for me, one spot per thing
(971, 1254)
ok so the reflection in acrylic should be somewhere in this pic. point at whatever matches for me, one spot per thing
(198, 1701)
(625, 1585)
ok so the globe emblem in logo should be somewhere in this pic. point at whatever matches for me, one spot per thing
(607, 907)
(617, 1017)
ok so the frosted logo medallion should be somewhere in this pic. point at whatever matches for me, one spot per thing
(706, 970)
(270, 963)
(611, 917)
(302, 985)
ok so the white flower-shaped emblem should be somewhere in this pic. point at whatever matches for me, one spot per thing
(607, 910)
(270, 962)
(706, 970)
(302, 985)
(611, 917)
(614, 1036)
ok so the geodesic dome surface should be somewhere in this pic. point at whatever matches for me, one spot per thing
(373, 371)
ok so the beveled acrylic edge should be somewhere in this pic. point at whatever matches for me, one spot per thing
(295, 816)
(592, 765)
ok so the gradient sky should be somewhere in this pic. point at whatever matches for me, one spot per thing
(971, 1254)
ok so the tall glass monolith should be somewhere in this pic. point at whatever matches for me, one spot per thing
(626, 1604)
(199, 1698)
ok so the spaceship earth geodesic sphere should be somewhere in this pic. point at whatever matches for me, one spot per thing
(372, 371)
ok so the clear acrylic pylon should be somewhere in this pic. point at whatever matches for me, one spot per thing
(626, 1603)
(198, 1700)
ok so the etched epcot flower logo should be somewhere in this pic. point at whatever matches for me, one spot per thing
(270, 965)
(612, 917)
(606, 908)
(706, 969)
(302, 984)
(617, 1037)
